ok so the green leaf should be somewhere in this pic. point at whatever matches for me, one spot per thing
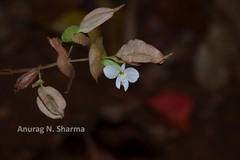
(37, 83)
(107, 62)
(69, 32)
(71, 35)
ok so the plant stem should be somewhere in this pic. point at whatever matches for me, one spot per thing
(70, 50)
(78, 60)
(48, 66)
(23, 70)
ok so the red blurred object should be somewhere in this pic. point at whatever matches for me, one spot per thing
(174, 107)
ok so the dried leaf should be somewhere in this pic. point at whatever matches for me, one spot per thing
(51, 102)
(63, 64)
(25, 80)
(137, 51)
(71, 77)
(62, 61)
(96, 53)
(96, 18)
(71, 35)
(80, 38)
(99, 42)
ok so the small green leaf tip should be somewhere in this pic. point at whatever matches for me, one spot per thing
(71, 35)
(37, 83)
(107, 62)
(69, 32)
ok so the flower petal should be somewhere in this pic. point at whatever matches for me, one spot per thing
(125, 84)
(111, 72)
(123, 67)
(118, 82)
(132, 74)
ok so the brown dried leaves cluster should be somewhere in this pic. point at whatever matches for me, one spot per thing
(49, 100)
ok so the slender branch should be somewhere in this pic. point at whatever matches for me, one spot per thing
(39, 75)
(78, 60)
(169, 55)
(48, 66)
(70, 50)
(10, 71)
(23, 70)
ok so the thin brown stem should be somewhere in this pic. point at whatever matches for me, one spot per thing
(48, 66)
(23, 70)
(169, 55)
(70, 50)
(78, 60)
(10, 71)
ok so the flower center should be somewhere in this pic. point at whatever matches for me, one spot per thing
(122, 75)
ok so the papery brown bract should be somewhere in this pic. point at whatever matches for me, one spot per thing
(62, 61)
(26, 79)
(71, 77)
(95, 56)
(80, 38)
(137, 51)
(96, 18)
(99, 42)
(51, 102)
(63, 64)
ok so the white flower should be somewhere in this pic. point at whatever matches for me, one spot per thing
(124, 76)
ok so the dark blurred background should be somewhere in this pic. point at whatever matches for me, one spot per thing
(185, 109)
